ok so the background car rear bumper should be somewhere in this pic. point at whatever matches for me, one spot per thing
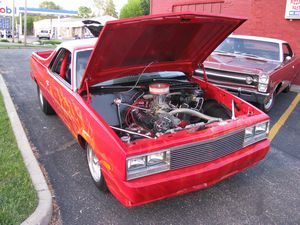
(180, 181)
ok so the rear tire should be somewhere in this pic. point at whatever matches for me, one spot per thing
(45, 106)
(95, 169)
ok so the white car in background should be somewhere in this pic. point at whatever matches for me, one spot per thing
(46, 34)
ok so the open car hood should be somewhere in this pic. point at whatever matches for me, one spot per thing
(169, 42)
(93, 26)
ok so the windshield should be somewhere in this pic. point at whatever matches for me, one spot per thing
(248, 47)
(82, 58)
(144, 77)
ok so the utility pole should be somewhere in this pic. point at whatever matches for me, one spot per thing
(13, 23)
(25, 23)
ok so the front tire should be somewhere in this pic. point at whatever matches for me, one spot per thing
(44, 104)
(95, 169)
(268, 105)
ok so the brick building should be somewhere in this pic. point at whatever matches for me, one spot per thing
(265, 18)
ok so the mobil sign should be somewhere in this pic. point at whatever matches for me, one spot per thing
(292, 10)
(6, 8)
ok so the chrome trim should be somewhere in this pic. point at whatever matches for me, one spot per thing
(207, 150)
(257, 137)
(229, 71)
(238, 89)
(147, 171)
(150, 170)
(227, 76)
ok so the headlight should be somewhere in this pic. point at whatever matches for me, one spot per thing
(256, 133)
(262, 128)
(263, 81)
(137, 163)
(249, 131)
(156, 158)
(262, 87)
(144, 165)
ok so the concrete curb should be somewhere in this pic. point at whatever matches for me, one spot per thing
(295, 88)
(43, 213)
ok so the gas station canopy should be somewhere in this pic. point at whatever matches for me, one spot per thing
(42, 11)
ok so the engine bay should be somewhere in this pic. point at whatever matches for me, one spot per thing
(157, 108)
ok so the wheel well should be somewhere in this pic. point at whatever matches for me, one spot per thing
(278, 88)
(82, 142)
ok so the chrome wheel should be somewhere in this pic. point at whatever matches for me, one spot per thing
(45, 106)
(268, 105)
(41, 98)
(94, 164)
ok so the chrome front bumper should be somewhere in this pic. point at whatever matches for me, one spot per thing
(248, 95)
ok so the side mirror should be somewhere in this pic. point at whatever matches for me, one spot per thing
(288, 58)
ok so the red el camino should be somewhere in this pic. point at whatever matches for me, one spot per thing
(150, 127)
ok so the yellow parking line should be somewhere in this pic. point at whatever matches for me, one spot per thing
(276, 127)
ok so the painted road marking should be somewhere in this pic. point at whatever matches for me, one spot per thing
(284, 117)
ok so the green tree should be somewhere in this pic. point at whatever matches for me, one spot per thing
(99, 6)
(49, 5)
(84, 12)
(110, 8)
(29, 22)
(145, 4)
(132, 9)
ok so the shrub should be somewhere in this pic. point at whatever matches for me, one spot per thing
(51, 42)
(4, 40)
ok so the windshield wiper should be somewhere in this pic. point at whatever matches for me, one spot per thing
(223, 52)
(220, 51)
(119, 87)
(171, 80)
(250, 55)
(247, 54)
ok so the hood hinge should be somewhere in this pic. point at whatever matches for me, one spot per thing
(201, 66)
(87, 92)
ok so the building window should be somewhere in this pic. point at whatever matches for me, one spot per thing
(210, 6)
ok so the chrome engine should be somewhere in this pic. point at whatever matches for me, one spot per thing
(161, 111)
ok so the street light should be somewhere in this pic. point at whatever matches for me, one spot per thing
(25, 23)
(13, 22)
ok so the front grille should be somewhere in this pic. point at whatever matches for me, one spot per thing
(200, 152)
(228, 77)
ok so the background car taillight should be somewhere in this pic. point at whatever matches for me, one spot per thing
(256, 133)
(263, 82)
(147, 164)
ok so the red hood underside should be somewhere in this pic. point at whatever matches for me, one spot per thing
(173, 42)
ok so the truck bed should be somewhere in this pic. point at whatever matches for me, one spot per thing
(44, 54)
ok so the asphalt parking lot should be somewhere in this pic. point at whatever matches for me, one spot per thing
(268, 193)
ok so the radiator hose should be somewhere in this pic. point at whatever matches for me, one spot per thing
(196, 114)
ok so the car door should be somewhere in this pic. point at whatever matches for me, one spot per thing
(288, 65)
(60, 87)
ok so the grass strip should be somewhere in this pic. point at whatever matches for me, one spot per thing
(18, 197)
